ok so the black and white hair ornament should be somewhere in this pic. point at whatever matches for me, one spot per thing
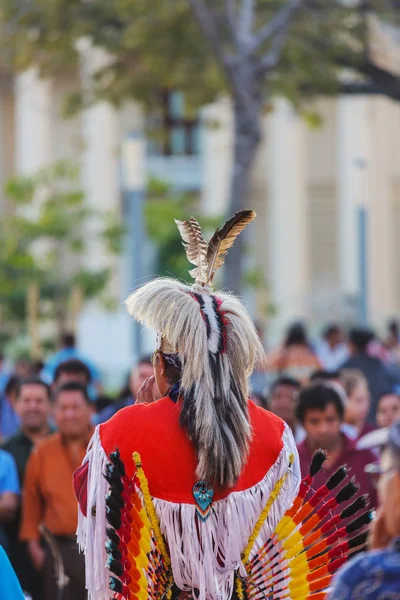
(217, 346)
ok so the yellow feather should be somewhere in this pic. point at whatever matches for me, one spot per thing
(285, 527)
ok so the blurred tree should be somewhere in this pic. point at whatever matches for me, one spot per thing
(43, 243)
(298, 48)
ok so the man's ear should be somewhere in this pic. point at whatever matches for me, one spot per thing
(163, 365)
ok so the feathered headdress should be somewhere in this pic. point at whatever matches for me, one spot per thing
(208, 258)
(217, 346)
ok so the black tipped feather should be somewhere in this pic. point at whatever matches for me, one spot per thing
(116, 460)
(347, 491)
(113, 478)
(317, 461)
(116, 496)
(359, 540)
(113, 535)
(114, 518)
(113, 550)
(336, 478)
(361, 521)
(358, 504)
(115, 566)
(116, 554)
(111, 503)
(115, 585)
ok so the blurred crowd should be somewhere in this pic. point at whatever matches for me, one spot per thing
(334, 392)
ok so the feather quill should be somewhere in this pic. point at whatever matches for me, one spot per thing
(196, 248)
(223, 239)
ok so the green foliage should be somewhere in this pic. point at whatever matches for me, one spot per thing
(255, 278)
(162, 207)
(43, 241)
(158, 45)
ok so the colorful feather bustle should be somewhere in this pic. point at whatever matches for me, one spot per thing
(297, 562)
(136, 552)
(309, 544)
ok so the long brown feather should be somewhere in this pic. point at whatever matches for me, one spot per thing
(223, 239)
(196, 248)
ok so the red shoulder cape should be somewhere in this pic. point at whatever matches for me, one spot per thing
(168, 457)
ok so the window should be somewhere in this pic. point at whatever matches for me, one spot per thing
(172, 134)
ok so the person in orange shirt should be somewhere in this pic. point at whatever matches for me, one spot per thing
(49, 504)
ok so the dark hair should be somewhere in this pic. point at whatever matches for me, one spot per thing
(172, 366)
(331, 329)
(317, 397)
(73, 365)
(68, 340)
(393, 327)
(71, 386)
(33, 381)
(360, 338)
(37, 367)
(12, 385)
(144, 360)
(387, 392)
(288, 381)
(259, 398)
(102, 402)
(296, 334)
(322, 375)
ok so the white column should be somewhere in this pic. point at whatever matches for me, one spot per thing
(381, 227)
(287, 219)
(99, 329)
(365, 184)
(217, 150)
(34, 113)
(354, 164)
(101, 137)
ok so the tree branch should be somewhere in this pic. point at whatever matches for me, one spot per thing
(208, 22)
(271, 59)
(277, 24)
(246, 21)
(231, 15)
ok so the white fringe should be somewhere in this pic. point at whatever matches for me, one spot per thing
(205, 556)
(91, 530)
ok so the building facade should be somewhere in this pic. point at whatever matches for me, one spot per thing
(328, 204)
(326, 239)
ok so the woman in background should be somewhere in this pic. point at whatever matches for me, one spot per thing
(388, 409)
(358, 403)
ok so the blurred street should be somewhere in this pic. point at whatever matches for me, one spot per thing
(118, 118)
